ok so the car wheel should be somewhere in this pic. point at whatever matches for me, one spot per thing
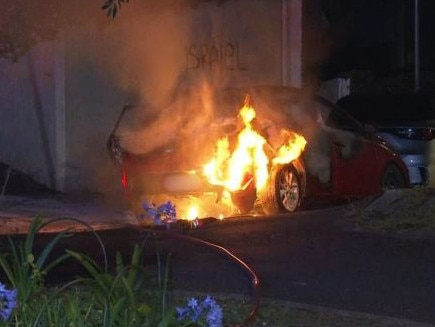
(283, 193)
(392, 178)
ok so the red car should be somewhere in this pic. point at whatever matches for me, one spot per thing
(162, 155)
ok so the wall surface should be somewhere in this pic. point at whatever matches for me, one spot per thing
(27, 114)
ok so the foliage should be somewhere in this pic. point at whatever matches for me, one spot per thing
(25, 272)
(112, 6)
(205, 313)
(127, 296)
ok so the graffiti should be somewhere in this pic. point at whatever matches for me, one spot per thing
(214, 56)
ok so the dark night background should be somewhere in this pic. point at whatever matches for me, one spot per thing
(374, 36)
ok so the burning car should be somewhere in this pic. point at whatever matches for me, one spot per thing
(269, 149)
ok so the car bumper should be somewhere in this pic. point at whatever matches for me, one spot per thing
(418, 169)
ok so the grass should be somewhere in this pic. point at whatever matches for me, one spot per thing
(410, 210)
(275, 313)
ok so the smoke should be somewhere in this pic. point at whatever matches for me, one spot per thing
(144, 54)
(149, 55)
(188, 120)
(185, 121)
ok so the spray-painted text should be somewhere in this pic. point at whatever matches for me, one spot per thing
(214, 56)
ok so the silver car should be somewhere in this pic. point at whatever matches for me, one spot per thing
(406, 123)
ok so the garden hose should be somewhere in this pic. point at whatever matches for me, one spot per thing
(184, 225)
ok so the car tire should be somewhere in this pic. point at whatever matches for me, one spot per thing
(392, 178)
(283, 193)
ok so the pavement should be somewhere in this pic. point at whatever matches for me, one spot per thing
(81, 213)
(78, 214)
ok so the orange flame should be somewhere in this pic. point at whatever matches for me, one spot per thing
(291, 150)
(230, 168)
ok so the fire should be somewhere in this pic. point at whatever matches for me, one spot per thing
(235, 167)
(192, 213)
(291, 150)
(230, 168)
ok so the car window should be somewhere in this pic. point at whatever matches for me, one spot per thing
(332, 116)
(341, 120)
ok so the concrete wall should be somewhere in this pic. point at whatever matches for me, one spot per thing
(27, 113)
(92, 103)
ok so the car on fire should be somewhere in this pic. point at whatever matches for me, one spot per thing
(163, 154)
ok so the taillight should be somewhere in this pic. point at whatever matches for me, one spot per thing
(124, 179)
(428, 134)
(422, 134)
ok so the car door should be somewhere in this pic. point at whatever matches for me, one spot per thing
(356, 160)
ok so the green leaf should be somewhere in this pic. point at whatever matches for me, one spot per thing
(30, 258)
(48, 248)
(135, 264)
(169, 320)
(92, 268)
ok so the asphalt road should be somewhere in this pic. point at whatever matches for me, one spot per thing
(309, 257)
(306, 257)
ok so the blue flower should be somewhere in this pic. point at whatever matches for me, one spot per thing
(214, 316)
(165, 213)
(192, 303)
(8, 302)
(182, 313)
(150, 209)
(209, 302)
(168, 210)
(208, 310)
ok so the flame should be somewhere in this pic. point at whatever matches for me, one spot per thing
(291, 150)
(234, 169)
(230, 168)
(192, 213)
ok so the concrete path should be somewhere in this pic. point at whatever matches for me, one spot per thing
(17, 212)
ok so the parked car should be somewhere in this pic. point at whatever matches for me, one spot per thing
(161, 156)
(406, 123)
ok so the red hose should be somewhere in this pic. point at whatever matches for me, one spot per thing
(220, 249)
